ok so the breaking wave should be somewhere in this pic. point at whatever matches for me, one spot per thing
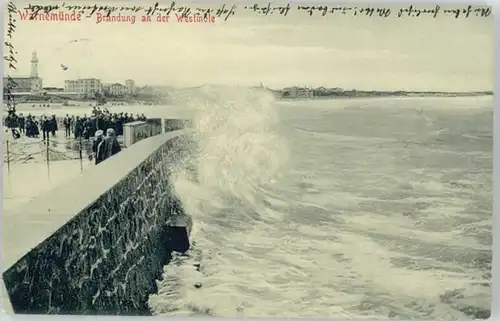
(303, 226)
(239, 156)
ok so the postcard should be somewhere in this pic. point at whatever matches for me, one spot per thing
(247, 159)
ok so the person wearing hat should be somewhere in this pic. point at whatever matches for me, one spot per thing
(99, 137)
(109, 146)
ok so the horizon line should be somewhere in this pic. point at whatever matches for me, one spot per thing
(307, 87)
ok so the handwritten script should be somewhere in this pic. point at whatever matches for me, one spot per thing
(11, 29)
(10, 56)
(226, 11)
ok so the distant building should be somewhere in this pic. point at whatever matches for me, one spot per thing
(31, 84)
(130, 84)
(297, 92)
(106, 89)
(117, 89)
(86, 87)
(21, 84)
(322, 91)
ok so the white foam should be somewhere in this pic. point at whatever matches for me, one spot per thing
(281, 229)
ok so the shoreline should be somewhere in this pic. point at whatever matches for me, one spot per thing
(348, 95)
(333, 97)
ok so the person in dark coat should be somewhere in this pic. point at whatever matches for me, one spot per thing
(78, 127)
(29, 127)
(118, 125)
(67, 126)
(45, 124)
(101, 123)
(53, 125)
(22, 124)
(93, 125)
(32, 127)
(99, 137)
(12, 122)
(109, 146)
(87, 128)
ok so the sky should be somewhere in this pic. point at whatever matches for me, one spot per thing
(442, 54)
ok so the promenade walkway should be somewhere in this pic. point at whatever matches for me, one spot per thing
(24, 182)
(28, 174)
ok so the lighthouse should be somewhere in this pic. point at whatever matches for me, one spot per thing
(31, 83)
(34, 65)
(36, 82)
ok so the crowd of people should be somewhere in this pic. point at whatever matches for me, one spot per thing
(101, 127)
(81, 127)
(100, 119)
(30, 126)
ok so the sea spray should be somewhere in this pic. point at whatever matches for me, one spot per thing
(237, 151)
(238, 156)
(346, 240)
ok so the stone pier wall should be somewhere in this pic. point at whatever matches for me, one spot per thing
(136, 131)
(107, 239)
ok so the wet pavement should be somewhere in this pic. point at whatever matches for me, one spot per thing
(27, 173)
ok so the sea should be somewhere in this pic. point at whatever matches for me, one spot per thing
(336, 208)
(340, 208)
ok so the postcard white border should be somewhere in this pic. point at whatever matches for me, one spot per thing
(495, 273)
